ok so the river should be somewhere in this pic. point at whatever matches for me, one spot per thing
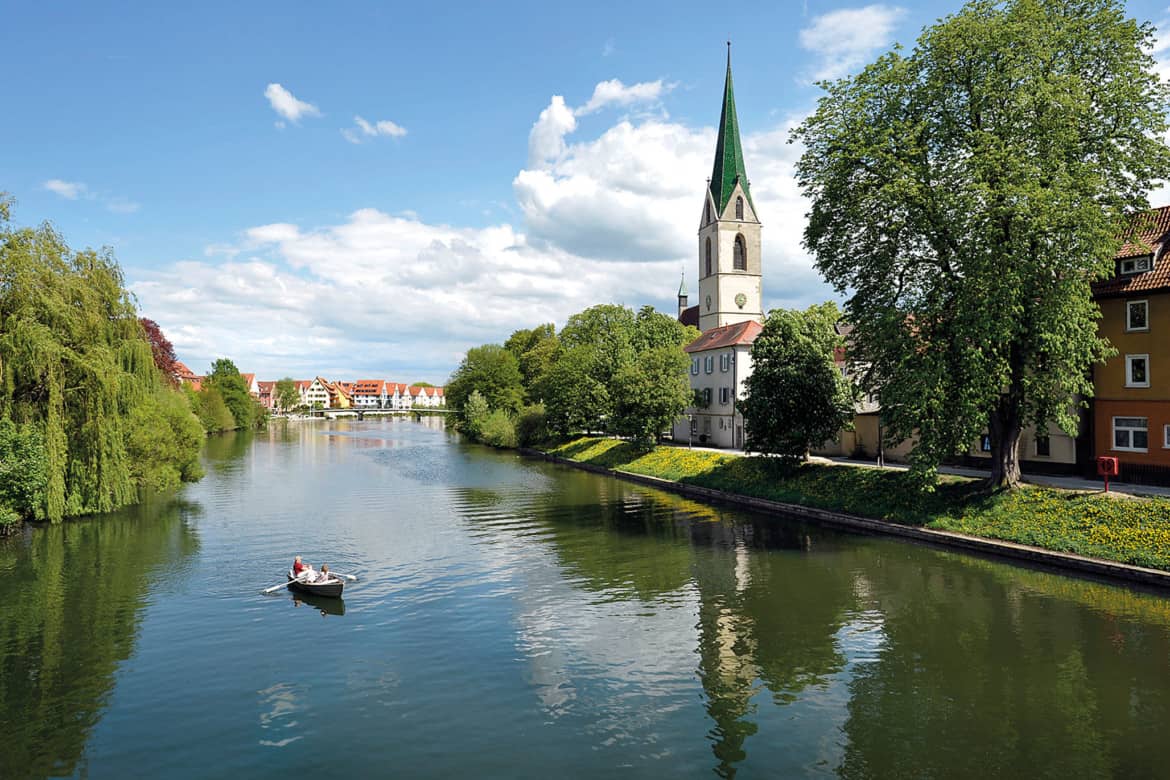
(513, 618)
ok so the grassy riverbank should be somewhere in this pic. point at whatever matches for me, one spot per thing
(1128, 530)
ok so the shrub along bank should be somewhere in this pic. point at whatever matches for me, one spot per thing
(1128, 530)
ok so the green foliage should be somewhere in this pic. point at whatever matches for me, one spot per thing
(212, 411)
(1113, 527)
(796, 397)
(163, 439)
(77, 365)
(492, 371)
(967, 194)
(498, 430)
(651, 393)
(653, 329)
(531, 426)
(473, 415)
(226, 379)
(23, 472)
(573, 399)
(287, 396)
(535, 349)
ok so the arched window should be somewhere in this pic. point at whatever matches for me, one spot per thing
(708, 256)
(739, 208)
(740, 254)
(707, 213)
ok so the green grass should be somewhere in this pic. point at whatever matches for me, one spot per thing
(1124, 529)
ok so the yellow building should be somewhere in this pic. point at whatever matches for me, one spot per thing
(1131, 411)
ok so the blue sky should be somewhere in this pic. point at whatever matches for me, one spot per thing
(367, 189)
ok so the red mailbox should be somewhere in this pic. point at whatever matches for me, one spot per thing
(1107, 467)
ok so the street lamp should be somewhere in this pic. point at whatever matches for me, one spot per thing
(691, 430)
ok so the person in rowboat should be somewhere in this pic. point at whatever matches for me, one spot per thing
(323, 576)
(299, 569)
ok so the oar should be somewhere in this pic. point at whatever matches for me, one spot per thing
(349, 577)
(276, 587)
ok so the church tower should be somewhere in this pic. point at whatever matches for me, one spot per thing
(730, 272)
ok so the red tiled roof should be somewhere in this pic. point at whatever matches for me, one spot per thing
(727, 336)
(690, 316)
(1149, 235)
(369, 386)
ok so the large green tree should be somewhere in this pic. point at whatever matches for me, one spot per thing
(966, 194)
(650, 393)
(287, 395)
(573, 399)
(796, 397)
(78, 381)
(226, 379)
(494, 372)
(535, 350)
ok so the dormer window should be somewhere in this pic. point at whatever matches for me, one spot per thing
(1137, 265)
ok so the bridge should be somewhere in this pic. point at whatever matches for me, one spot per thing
(361, 414)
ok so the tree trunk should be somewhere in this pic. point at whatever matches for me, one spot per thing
(1004, 430)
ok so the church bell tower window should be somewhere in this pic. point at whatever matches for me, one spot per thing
(739, 208)
(740, 254)
(708, 256)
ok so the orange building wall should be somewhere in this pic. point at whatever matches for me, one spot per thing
(1114, 399)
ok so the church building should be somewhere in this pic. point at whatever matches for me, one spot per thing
(730, 310)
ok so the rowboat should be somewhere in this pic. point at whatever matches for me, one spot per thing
(331, 589)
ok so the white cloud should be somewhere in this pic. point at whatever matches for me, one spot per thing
(615, 93)
(383, 127)
(70, 190)
(546, 140)
(286, 104)
(606, 218)
(844, 40)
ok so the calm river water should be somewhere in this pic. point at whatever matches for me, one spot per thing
(518, 619)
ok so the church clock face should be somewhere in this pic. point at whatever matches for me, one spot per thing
(708, 303)
(740, 300)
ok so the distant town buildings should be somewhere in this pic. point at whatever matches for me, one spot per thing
(321, 393)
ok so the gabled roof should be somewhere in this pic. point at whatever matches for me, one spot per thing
(741, 333)
(729, 167)
(690, 316)
(1149, 235)
(369, 386)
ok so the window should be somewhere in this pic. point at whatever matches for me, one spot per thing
(709, 364)
(1137, 315)
(740, 254)
(707, 213)
(707, 420)
(695, 366)
(724, 395)
(724, 362)
(708, 256)
(1166, 436)
(1137, 265)
(1131, 433)
(694, 425)
(1137, 370)
(1043, 446)
(739, 208)
(985, 443)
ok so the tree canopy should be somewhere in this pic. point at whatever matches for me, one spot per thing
(966, 194)
(796, 397)
(287, 395)
(494, 372)
(80, 389)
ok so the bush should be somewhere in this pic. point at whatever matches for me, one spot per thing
(23, 471)
(531, 427)
(498, 429)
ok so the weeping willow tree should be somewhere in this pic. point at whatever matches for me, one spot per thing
(78, 374)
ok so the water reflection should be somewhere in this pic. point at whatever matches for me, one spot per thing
(71, 598)
(323, 605)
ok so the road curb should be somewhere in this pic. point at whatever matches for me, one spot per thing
(1095, 567)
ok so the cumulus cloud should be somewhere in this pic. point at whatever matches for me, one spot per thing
(364, 129)
(844, 40)
(615, 93)
(70, 190)
(610, 217)
(287, 105)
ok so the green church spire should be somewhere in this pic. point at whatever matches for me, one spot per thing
(729, 166)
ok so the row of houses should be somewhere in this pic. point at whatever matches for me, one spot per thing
(321, 393)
